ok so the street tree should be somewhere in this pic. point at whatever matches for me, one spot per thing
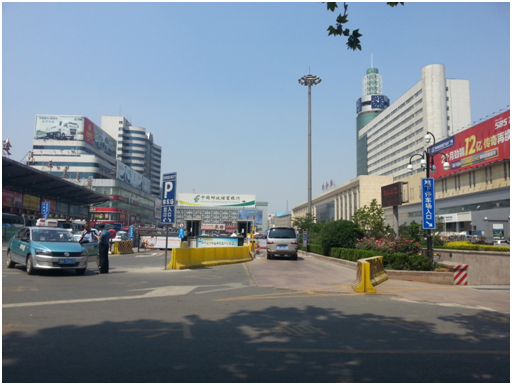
(370, 219)
(305, 223)
(353, 41)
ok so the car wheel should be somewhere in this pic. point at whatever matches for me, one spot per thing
(30, 266)
(10, 263)
(80, 271)
(294, 257)
(269, 256)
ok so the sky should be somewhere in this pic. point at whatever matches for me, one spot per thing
(216, 83)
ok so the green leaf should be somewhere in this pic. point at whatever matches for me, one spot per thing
(332, 6)
(342, 19)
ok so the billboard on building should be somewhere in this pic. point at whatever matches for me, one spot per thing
(485, 143)
(247, 215)
(132, 177)
(216, 200)
(58, 127)
(61, 127)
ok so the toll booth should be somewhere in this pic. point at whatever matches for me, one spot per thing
(193, 226)
(244, 227)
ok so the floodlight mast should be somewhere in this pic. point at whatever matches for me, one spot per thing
(309, 81)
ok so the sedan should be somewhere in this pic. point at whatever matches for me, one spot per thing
(46, 248)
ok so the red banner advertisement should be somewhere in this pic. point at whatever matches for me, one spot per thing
(485, 143)
(89, 131)
(11, 198)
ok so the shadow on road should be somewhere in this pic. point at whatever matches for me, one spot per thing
(276, 344)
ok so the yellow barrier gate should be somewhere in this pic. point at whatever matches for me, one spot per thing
(370, 273)
(122, 247)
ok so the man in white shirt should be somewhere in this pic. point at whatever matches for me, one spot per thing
(89, 234)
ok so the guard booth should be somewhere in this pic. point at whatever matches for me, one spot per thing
(193, 226)
(243, 228)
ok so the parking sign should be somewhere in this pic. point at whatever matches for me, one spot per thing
(428, 203)
(168, 197)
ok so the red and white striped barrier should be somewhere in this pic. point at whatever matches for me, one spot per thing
(460, 275)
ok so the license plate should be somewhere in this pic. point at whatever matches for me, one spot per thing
(282, 247)
(67, 261)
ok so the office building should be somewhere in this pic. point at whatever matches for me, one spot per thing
(222, 212)
(389, 134)
(136, 148)
(76, 149)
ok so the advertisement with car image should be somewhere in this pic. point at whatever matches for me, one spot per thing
(59, 127)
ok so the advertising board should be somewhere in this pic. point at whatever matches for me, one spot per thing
(217, 242)
(59, 127)
(158, 242)
(63, 127)
(485, 143)
(391, 195)
(132, 177)
(217, 200)
(246, 215)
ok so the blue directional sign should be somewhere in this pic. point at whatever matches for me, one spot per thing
(169, 197)
(45, 209)
(428, 203)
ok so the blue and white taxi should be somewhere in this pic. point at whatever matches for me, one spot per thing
(46, 246)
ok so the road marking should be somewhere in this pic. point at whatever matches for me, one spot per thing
(355, 351)
(154, 292)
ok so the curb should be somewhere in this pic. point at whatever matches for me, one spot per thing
(434, 277)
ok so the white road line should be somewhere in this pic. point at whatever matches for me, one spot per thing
(154, 292)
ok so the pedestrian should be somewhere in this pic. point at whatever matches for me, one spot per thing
(89, 234)
(103, 248)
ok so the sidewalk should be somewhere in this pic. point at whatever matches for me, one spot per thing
(312, 275)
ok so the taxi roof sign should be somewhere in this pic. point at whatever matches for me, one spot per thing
(46, 222)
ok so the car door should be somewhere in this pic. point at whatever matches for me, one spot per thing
(20, 244)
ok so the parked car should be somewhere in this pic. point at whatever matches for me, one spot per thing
(282, 241)
(120, 236)
(45, 248)
(501, 242)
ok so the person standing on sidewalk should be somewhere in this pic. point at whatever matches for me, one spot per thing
(103, 248)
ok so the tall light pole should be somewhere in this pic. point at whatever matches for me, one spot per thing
(309, 80)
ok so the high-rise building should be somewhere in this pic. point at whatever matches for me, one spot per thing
(388, 135)
(136, 149)
(74, 148)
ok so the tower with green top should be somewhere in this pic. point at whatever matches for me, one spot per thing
(371, 104)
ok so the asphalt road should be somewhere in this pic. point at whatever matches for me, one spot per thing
(141, 323)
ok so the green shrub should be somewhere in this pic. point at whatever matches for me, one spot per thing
(339, 234)
(392, 261)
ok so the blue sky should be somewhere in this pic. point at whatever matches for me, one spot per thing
(216, 83)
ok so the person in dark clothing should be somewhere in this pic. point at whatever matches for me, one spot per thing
(103, 248)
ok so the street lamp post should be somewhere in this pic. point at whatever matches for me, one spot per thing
(427, 163)
(309, 80)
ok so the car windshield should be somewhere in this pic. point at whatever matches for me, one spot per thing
(282, 233)
(54, 235)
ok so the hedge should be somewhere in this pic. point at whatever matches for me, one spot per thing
(391, 261)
